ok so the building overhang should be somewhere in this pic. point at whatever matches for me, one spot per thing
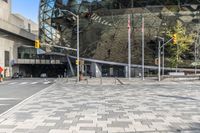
(17, 31)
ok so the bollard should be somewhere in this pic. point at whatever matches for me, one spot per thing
(67, 79)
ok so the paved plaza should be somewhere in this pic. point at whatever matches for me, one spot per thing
(79, 108)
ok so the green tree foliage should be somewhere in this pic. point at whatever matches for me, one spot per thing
(183, 42)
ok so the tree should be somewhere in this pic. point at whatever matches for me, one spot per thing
(181, 44)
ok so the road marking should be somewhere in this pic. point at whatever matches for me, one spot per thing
(47, 82)
(9, 99)
(23, 83)
(34, 83)
(13, 83)
(4, 104)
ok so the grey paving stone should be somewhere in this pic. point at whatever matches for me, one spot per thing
(20, 131)
(96, 129)
(119, 124)
(168, 107)
(7, 126)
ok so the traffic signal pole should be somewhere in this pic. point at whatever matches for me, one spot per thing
(163, 58)
(159, 49)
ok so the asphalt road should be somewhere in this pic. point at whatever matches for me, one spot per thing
(13, 92)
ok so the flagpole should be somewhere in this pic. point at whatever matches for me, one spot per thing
(142, 48)
(129, 48)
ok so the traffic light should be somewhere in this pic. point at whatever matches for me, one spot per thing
(77, 62)
(174, 39)
(37, 43)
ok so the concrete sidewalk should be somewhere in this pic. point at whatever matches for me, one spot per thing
(77, 108)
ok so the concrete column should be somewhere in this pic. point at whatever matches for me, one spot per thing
(126, 71)
(96, 70)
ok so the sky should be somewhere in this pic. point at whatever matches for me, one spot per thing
(27, 8)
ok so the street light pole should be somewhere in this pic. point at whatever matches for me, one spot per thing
(78, 48)
(159, 60)
(129, 48)
(142, 48)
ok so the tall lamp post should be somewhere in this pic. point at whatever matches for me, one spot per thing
(78, 39)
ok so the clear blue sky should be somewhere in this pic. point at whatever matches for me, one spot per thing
(27, 8)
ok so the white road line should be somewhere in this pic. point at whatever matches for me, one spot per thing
(34, 83)
(47, 82)
(12, 83)
(9, 99)
(4, 104)
(23, 83)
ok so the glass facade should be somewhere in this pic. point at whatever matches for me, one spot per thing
(103, 25)
(27, 53)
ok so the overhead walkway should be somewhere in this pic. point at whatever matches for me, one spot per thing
(133, 65)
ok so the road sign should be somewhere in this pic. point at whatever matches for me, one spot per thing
(1, 69)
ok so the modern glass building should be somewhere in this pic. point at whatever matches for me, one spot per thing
(103, 25)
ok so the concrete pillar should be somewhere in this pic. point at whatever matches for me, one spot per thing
(96, 70)
(126, 71)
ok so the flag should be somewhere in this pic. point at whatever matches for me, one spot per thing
(142, 24)
(129, 23)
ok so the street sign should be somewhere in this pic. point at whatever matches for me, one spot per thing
(1, 69)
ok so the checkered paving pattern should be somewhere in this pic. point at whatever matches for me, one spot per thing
(73, 108)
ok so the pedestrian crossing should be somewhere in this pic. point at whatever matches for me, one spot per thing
(46, 82)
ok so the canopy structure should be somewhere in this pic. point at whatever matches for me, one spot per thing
(103, 24)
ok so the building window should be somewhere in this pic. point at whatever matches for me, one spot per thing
(29, 27)
(7, 58)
